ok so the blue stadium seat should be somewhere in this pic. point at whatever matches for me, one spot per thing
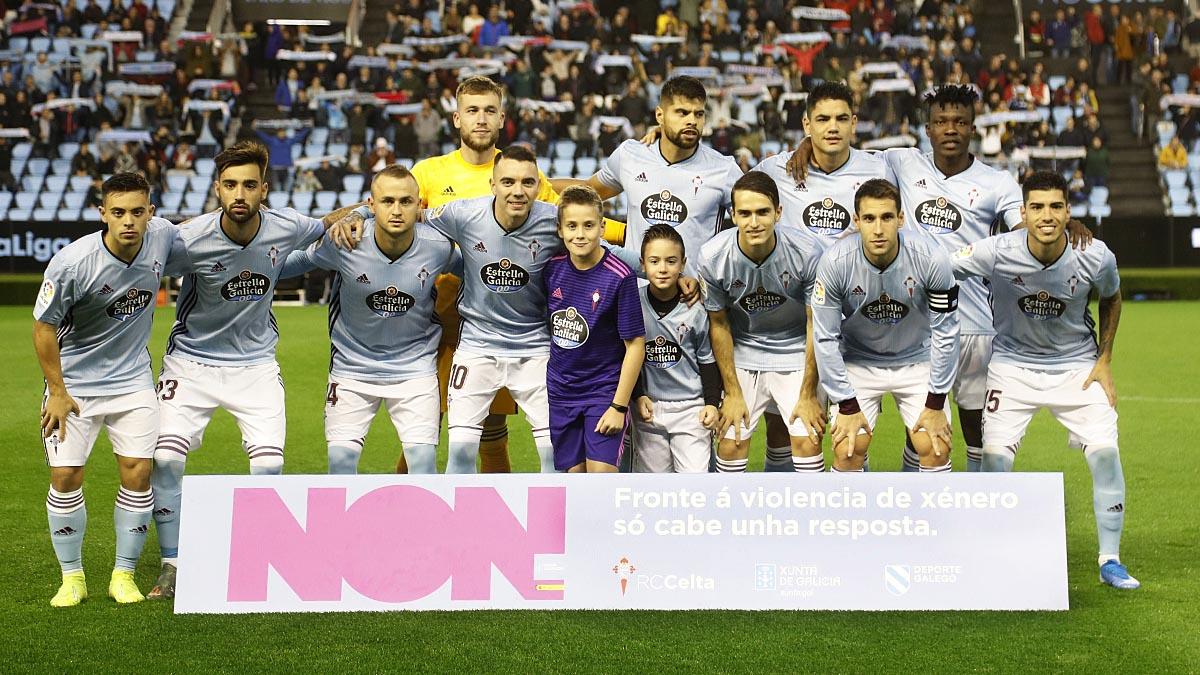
(562, 167)
(311, 149)
(1100, 211)
(1099, 195)
(1179, 195)
(1175, 177)
(302, 201)
(326, 200)
(38, 166)
(1180, 84)
(205, 167)
(68, 215)
(172, 201)
(339, 149)
(145, 57)
(74, 200)
(56, 183)
(26, 200)
(67, 150)
(19, 44)
(585, 167)
(1079, 210)
(39, 44)
(1166, 131)
(90, 215)
(195, 200)
(348, 198)
(771, 148)
(406, 162)
(88, 30)
(200, 183)
(60, 167)
(564, 148)
(319, 135)
(17, 214)
(1055, 81)
(17, 167)
(177, 182)
(21, 150)
(49, 200)
(544, 164)
(353, 182)
(45, 215)
(61, 47)
(80, 182)
(31, 183)
(1182, 211)
(1061, 114)
(277, 199)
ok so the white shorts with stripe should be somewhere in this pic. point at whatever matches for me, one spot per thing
(414, 406)
(131, 421)
(673, 441)
(761, 389)
(475, 379)
(1015, 394)
(190, 392)
(909, 385)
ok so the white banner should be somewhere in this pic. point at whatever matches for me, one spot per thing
(820, 14)
(876, 541)
(891, 84)
(1058, 152)
(293, 55)
(901, 141)
(804, 38)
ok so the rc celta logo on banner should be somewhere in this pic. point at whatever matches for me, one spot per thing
(625, 572)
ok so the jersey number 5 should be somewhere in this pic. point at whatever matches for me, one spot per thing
(993, 400)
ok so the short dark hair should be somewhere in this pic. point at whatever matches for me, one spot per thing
(126, 181)
(661, 231)
(877, 188)
(829, 91)
(516, 152)
(479, 84)
(683, 86)
(1044, 180)
(953, 94)
(242, 153)
(757, 181)
(580, 195)
(393, 171)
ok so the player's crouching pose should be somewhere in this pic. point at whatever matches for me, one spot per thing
(759, 278)
(885, 321)
(92, 322)
(676, 411)
(596, 340)
(383, 330)
(1046, 354)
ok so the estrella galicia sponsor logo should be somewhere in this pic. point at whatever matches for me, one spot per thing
(247, 286)
(504, 276)
(390, 302)
(664, 208)
(1042, 306)
(131, 305)
(568, 329)
(662, 353)
(885, 310)
(826, 217)
(939, 215)
(761, 301)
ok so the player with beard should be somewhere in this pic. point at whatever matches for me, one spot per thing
(957, 200)
(221, 350)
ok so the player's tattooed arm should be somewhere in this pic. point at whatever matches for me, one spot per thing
(59, 403)
(733, 406)
(808, 407)
(797, 166)
(1110, 318)
(345, 226)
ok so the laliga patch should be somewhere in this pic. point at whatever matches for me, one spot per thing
(434, 213)
(826, 217)
(568, 329)
(46, 294)
(247, 286)
(965, 252)
(390, 302)
(503, 276)
(131, 305)
(1042, 306)
(761, 301)
(885, 310)
(664, 208)
(662, 353)
(939, 215)
(818, 293)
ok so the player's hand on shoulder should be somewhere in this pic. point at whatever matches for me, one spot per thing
(1078, 234)
(54, 414)
(652, 134)
(1102, 374)
(937, 426)
(689, 290)
(347, 231)
(797, 166)
(645, 408)
(710, 417)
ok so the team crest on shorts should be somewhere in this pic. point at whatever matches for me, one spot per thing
(568, 329)
(662, 353)
(130, 305)
(503, 276)
(247, 286)
(1042, 306)
(390, 302)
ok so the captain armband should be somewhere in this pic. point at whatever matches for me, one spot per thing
(942, 301)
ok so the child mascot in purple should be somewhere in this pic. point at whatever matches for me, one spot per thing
(597, 340)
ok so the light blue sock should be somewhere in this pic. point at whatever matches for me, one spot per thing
(67, 516)
(779, 460)
(974, 459)
(462, 457)
(998, 459)
(265, 460)
(1108, 499)
(912, 461)
(421, 458)
(167, 482)
(343, 457)
(545, 450)
(131, 520)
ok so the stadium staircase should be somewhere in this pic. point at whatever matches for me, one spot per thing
(197, 19)
(997, 22)
(1133, 185)
(374, 23)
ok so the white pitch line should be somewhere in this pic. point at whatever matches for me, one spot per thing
(1156, 399)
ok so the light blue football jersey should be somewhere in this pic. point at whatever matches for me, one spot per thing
(765, 303)
(1042, 316)
(104, 309)
(382, 325)
(676, 345)
(692, 196)
(957, 211)
(223, 314)
(824, 203)
(889, 317)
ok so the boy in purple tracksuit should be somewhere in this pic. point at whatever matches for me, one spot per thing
(597, 340)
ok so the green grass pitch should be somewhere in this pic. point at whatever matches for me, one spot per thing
(1157, 369)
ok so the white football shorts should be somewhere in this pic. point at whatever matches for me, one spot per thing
(131, 421)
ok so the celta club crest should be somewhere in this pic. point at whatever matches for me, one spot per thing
(696, 183)
(534, 249)
(1074, 281)
(623, 569)
(423, 276)
(682, 330)
(157, 268)
(972, 195)
(273, 254)
(595, 299)
(910, 284)
(785, 278)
